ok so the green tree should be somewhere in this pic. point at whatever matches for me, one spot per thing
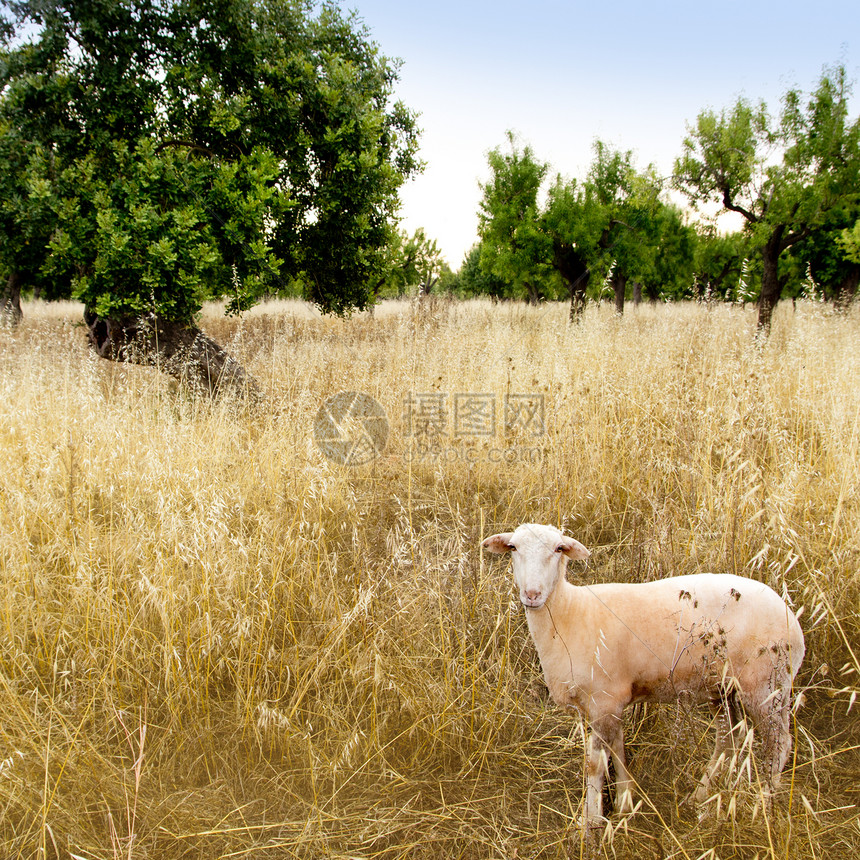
(575, 221)
(668, 254)
(26, 222)
(474, 280)
(514, 247)
(204, 148)
(644, 239)
(414, 261)
(612, 178)
(36, 129)
(615, 222)
(784, 175)
(718, 261)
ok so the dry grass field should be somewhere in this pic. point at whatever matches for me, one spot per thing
(218, 643)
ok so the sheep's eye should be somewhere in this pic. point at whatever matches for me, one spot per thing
(511, 547)
(559, 548)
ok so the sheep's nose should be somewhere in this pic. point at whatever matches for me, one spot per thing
(532, 597)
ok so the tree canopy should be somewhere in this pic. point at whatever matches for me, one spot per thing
(158, 154)
(793, 178)
(154, 155)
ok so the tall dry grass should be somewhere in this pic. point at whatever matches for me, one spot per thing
(218, 643)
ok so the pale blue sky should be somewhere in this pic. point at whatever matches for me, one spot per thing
(562, 74)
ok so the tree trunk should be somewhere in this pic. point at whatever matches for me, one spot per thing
(426, 286)
(619, 285)
(184, 352)
(578, 299)
(532, 295)
(10, 303)
(771, 286)
(846, 289)
(573, 269)
(637, 294)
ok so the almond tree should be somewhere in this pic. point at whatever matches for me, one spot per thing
(575, 221)
(784, 175)
(718, 261)
(514, 245)
(631, 204)
(414, 261)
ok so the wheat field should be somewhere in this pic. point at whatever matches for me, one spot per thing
(219, 643)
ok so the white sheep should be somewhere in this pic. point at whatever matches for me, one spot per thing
(698, 638)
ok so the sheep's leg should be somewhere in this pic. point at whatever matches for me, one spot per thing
(770, 715)
(595, 775)
(724, 719)
(623, 780)
(606, 737)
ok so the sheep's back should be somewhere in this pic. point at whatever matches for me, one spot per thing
(679, 633)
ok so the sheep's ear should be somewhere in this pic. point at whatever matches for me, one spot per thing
(498, 543)
(574, 549)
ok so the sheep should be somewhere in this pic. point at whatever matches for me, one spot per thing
(701, 638)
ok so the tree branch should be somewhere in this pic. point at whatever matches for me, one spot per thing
(734, 207)
(794, 238)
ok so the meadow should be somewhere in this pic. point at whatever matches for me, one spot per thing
(218, 642)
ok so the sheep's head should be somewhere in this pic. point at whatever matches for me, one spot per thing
(540, 555)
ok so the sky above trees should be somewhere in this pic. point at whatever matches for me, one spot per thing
(561, 74)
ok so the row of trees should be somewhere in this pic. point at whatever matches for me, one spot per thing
(158, 153)
(794, 179)
(615, 225)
